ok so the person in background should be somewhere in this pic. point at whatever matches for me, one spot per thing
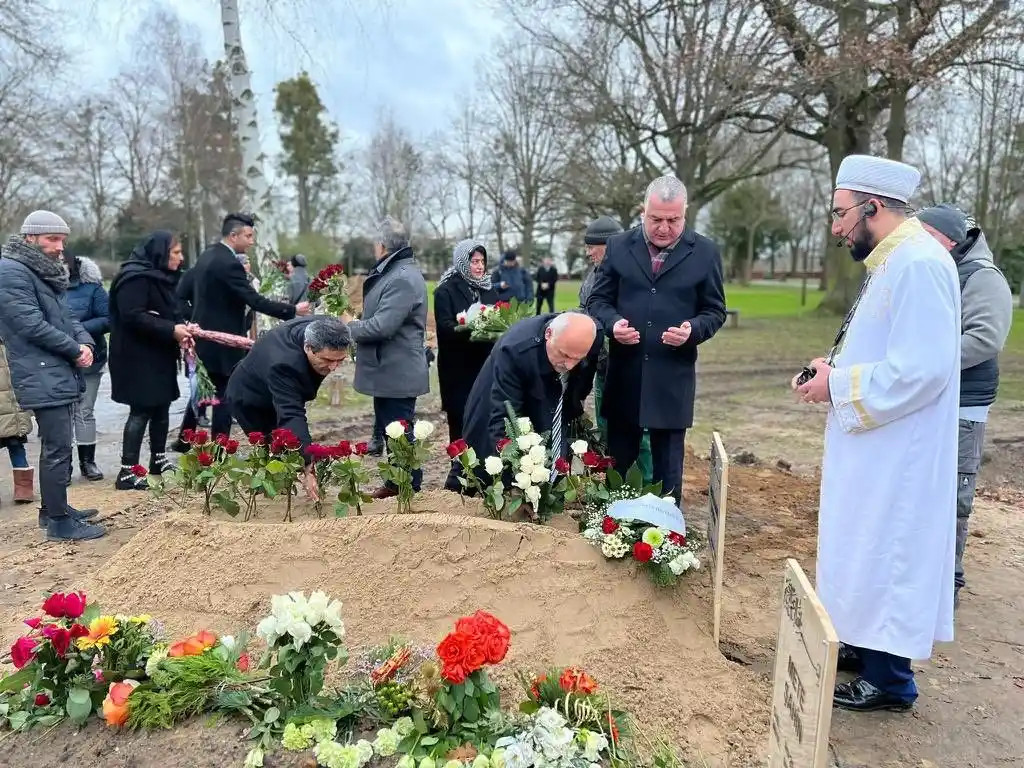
(886, 520)
(221, 295)
(15, 426)
(283, 371)
(510, 280)
(147, 334)
(986, 313)
(595, 239)
(46, 349)
(459, 359)
(299, 280)
(391, 364)
(659, 293)
(546, 278)
(88, 301)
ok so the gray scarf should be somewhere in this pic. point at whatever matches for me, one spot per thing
(53, 272)
(463, 252)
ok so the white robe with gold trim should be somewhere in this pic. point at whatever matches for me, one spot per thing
(887, 525)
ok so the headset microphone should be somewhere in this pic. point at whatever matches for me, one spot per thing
(868, 211)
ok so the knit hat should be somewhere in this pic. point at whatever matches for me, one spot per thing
(298, 260)
(947, 219)
(44, 223)
(600, 230)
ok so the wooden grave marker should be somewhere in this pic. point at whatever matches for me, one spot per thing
(718, 492)
(805, 677)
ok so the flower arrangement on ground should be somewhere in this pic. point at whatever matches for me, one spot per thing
(329, 289)
(404, 457)
(205, 467)
(487, 322)
(340, 465)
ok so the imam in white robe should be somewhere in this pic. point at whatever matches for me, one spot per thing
(887, 523)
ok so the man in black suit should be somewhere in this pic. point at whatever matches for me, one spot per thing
(220, 293)
(283, 371)
(659, 293)
(546, 278)
(543, 367)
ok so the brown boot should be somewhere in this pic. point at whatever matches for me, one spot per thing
(24, 485)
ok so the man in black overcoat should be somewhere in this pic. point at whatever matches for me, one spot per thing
(527, 368)
(220, 294)
(659, 293)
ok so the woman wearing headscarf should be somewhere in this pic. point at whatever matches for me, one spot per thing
(147, 332)
(459, 360)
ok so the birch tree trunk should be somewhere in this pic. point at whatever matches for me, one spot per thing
(243, 110)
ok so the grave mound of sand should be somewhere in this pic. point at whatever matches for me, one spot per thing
(412, 575)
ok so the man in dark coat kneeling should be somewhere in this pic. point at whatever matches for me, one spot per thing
(269, 389)
(544, 368)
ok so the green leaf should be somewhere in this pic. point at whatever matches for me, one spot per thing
(529, 707)
(79, 705)
(341, 509)
(16, 681)
(469, 688)
(419, 722)
(613, 479)
(470, 710)
(224, 500)
(271, 715)
(18, 719)
(635, 478)
(428, 741)
(276, 466)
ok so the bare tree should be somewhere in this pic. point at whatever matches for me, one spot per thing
(143, 145)
(88, 136)
(395, 170)
(462, 157)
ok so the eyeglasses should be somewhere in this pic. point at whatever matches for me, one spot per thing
(838, 213)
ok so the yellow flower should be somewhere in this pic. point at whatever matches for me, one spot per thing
(142, 618)
(100, 631)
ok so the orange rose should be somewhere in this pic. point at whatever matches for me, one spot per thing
(451, 651)
(575, 680)
(115, 705)
(496, 647)
(454, 673)
(191, 646)
(476, 652)
(207, 639)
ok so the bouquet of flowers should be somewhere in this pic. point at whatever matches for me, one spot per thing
(329, 288)
(404, 457)
(487, 322)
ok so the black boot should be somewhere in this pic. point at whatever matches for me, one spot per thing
(78, 514)
(376, 447)
(87, 463)
(127, 480)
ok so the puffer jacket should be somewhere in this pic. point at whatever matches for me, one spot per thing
(90, 305)
(43, 338)
(14, 422)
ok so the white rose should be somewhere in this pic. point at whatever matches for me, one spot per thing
(461, 318)
(523, 425)
(533, 494)
(422, 430)
(538, 454)
(522, 480)
(539, 475)
(493, 466)
(526, 463)
(394, 430)
(579, 447)
(268, 630)
(523, 442)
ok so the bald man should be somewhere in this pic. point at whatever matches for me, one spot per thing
(543, 366)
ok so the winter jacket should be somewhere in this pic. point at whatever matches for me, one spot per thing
(89, 304)
(14, 422)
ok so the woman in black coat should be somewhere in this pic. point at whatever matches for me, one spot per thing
(146, 334)
(459, 360)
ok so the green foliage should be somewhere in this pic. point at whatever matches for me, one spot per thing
(180, 688)
(748, 219)
(318, 249)
(308, 141)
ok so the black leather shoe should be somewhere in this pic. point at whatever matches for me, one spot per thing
(849, 661)
(861, 696)
(78, 514)
(376, 447)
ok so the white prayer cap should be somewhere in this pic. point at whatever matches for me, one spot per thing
(878, 176)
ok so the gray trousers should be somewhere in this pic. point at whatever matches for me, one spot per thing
(85, 418)
(971, 443)
(56, 431)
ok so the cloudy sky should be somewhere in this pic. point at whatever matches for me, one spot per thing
(416, 57)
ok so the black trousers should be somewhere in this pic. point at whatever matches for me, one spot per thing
(56, 434)
(159, 422)
(388, 409)
(220, 423)
(549, 298)
(666, 453)
(254, 419)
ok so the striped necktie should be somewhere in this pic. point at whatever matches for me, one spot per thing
(556, 426)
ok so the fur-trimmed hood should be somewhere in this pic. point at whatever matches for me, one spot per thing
(89, 270)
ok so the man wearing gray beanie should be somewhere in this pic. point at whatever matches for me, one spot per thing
(46, 348)
(986, 309)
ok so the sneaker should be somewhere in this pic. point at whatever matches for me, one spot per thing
(127, 480)
(78, 514)
(159, 463)
(70, 528)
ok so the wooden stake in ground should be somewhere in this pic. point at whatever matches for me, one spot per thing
(718, 491)
(805, 676)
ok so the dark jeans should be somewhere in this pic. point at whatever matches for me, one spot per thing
(666, 454)
(56, 434)
(549, 298)
(970, 445)
(388, 409)
(158, 420)
(889, 673)
(220, 424)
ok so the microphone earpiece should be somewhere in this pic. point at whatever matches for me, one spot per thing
(870, 209)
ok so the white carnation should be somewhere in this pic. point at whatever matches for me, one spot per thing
(422, 430)
(394, 430)
(493, 466)
(579, 447)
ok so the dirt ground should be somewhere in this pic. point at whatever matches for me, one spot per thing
(970, 714)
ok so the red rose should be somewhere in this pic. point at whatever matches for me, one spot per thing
(54, 605)
(344, 448)
(591, 459)
(34, 622)
(361, 449)
(188, 435)
(462, 319)
(455, 674)
(496, 648)
(502, 443)
(42, 700)
(78, 630)
(221, 440)
(60, 639)
(231, 446)
(607, 462)
(23, 651)
(318, 452)
(243, 663)
(575, 680)
(642, 552)
(404, 423)
(139, 471)
(452, 653)
(677, 538)
(608, 525)
(200, 437)
(74, 604)
(256, 438)
(204, 459)
(457, 448)
(561, 465)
